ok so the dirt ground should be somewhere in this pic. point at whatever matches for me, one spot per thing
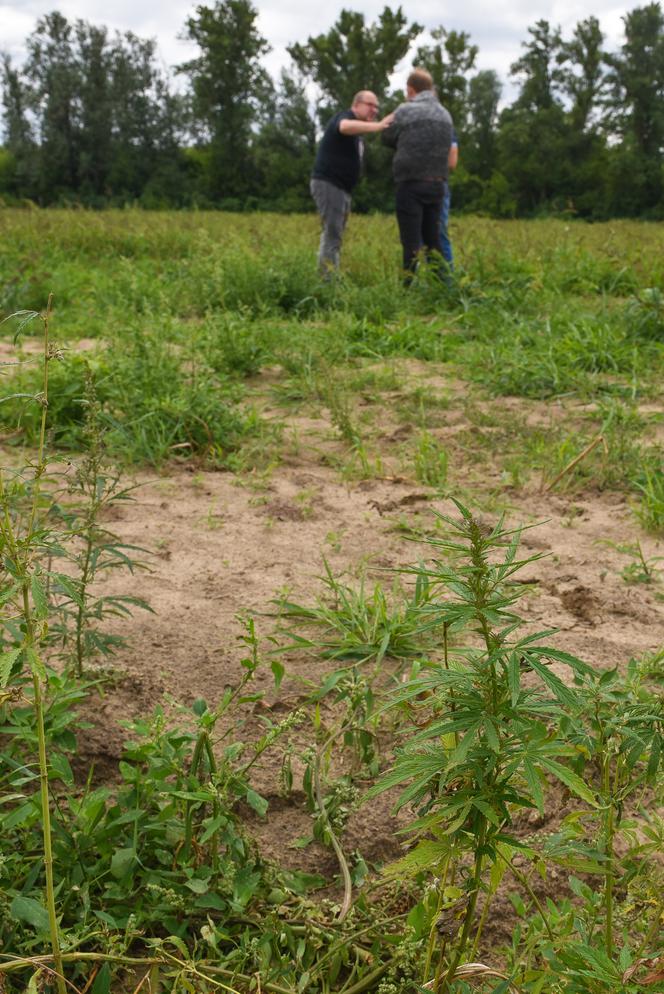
(225, 545)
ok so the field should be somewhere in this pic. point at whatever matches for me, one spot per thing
(333, 613)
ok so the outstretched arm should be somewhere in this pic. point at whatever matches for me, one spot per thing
(350, 127)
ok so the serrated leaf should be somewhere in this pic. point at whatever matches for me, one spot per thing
(39, 598)
(491, 735)
(570, 779)
(514, 678)
(553, 682)
(464, 747)
(8, 593)
(533, 781)
(7, 660)
(425, 855)
(67, 585)
(35, 663)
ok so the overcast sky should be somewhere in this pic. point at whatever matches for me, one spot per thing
(497, 30)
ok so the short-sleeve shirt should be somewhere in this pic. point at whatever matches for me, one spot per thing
(339, 157)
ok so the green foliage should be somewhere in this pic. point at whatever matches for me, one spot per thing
(353, 624)
(352, 56)
(431, 461)
(229, 85)
(492, 724)
(152, 408)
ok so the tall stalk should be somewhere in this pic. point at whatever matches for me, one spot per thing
(21, 550)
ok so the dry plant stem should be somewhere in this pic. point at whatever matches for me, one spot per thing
(577, 459)
(653, 931)
(341, 859)
(480, 926)
(432, 934)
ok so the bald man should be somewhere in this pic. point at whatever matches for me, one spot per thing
(337, 170)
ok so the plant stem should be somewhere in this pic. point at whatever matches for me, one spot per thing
(48, 848)
(80, 614)
(432, 932)
(610, 833)
(470, 910)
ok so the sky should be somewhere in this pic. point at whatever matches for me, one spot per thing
(497, 30)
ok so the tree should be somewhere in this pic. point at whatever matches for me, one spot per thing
(449, 60)
(19, 139)
(533, 134)
(229, 87)
(352, 56)
(54, 87)
(479, 149)
(636, 79)
(581, 73)
(96, 110)
(286, 145)
(537, 67)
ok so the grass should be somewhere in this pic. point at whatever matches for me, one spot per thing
(538, 369)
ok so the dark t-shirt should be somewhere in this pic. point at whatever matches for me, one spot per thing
(339, 156)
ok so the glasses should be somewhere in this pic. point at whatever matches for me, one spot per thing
(370, 104)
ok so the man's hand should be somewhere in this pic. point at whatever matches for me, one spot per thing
(386, 121)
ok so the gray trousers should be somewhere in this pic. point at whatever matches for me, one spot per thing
(334, 207)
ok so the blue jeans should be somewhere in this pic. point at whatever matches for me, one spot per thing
(445, 244)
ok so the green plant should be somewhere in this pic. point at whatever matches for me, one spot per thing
(483, 740)
(92, 549)
(640, 569)
(650, 511)
(24, 598)
(357, 625)
(431, 461)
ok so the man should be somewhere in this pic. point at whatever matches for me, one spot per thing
(421, 133)
(337, 170)
(445, 243)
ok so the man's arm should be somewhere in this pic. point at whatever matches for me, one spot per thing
(350, 127)
(453, 157)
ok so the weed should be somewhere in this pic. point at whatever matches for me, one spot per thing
(354, 624)
(651, 509)
(640, 570)
(92, 550)
(431, 461)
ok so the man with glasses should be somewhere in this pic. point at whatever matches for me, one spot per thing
(337, 171)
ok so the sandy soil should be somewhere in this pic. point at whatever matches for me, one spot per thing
(225, 546)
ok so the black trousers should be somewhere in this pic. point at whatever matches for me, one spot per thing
(419, 203)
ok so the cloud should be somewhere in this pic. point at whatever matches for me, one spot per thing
(497, 30)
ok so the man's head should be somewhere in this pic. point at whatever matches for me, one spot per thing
(418, 81)
(365, 105)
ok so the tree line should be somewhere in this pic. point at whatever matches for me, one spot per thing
(91, 117)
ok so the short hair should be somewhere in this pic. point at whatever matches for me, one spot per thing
(420, 80)
(361, 95)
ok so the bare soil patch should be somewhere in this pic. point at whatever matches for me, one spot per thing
(226, 546)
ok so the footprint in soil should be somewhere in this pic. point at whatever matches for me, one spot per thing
(582, 603)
